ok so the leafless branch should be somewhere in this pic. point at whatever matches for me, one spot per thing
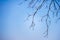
(47, 15)
(31, 2)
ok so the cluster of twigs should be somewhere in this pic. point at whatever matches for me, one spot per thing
(56, 7)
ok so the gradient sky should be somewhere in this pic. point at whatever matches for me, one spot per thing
(13, 26)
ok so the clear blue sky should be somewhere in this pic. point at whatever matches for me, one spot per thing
(13, 27)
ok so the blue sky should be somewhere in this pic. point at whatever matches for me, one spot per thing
(13, 26)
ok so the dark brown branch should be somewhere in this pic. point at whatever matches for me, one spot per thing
(57, 3)
(32, 24)
(54, 5)
(58, 8)
(40, 6)
(35, 14)
(31, 2)
(35, 4)
(48, 16)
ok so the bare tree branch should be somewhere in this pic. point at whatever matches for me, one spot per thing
(47, 15)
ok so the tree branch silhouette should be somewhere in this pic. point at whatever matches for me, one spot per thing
(47, 15)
